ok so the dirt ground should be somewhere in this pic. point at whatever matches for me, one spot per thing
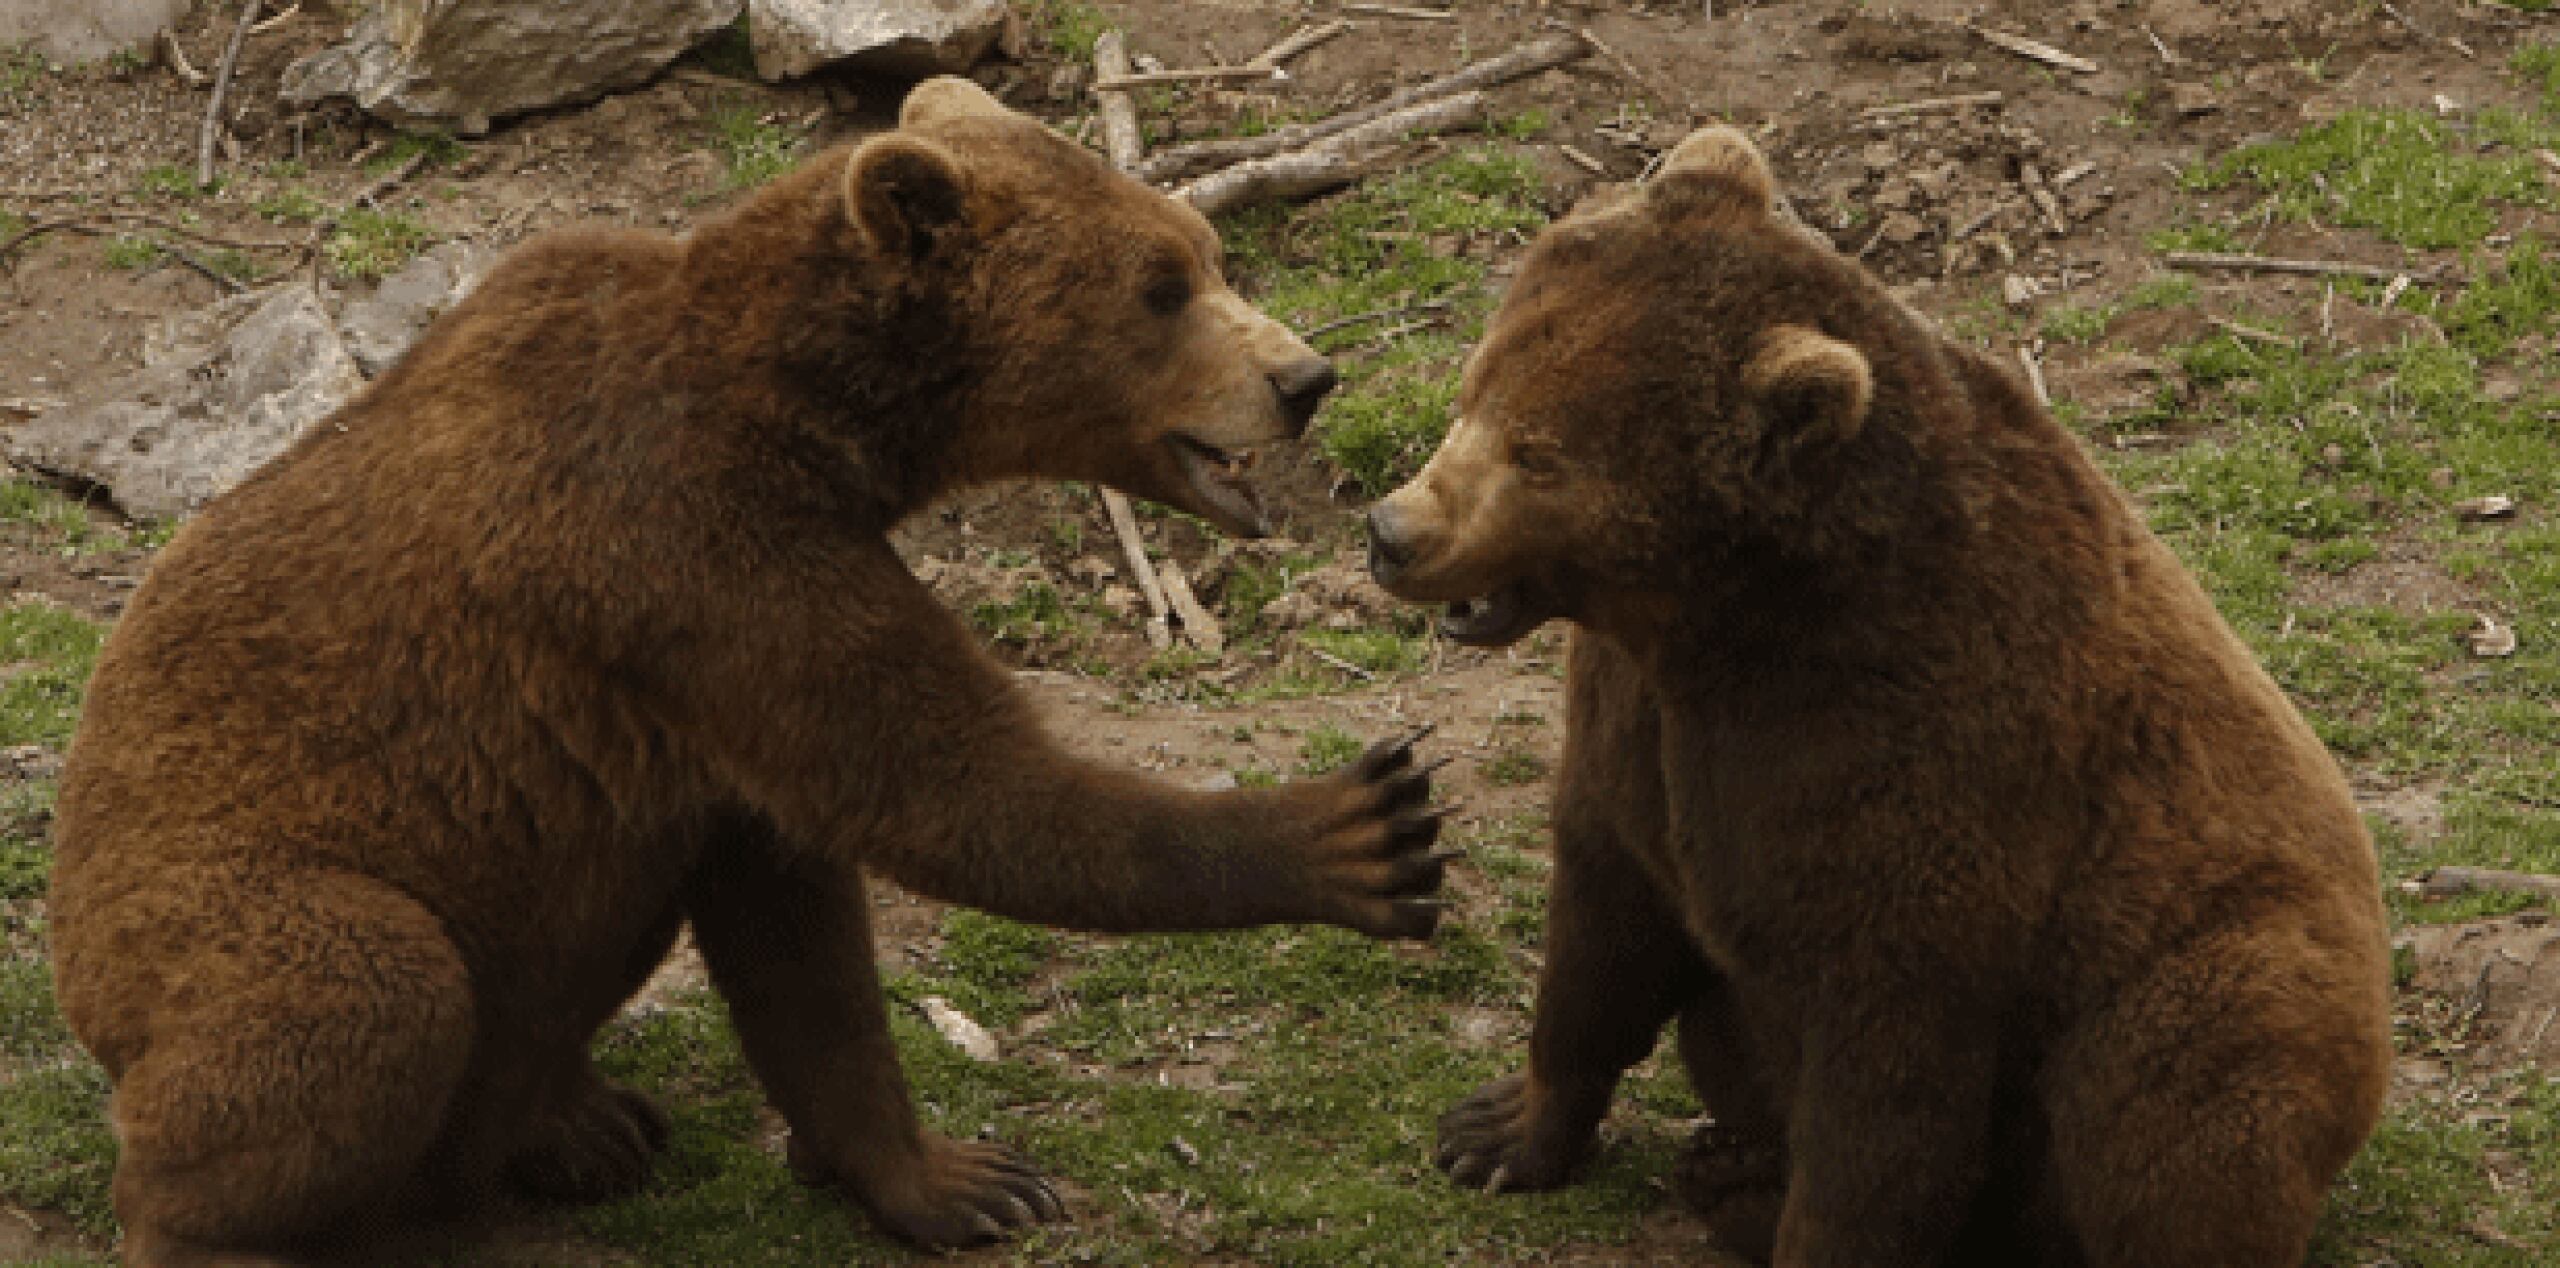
(1937, 201)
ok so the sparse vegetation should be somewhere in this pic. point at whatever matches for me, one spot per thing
(754, 147)
(371, 243)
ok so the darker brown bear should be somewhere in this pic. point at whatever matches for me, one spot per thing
(2009, 912)
(581, 625)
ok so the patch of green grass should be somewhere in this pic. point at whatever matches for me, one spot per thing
(1379, 651)
(1390, 245)
(2437, 1185)
(1514, 766)
(173, 182)
(291, 205)
(1036, 612)
(2192, 237)
(1527, 125)
(371, 243)
(439, 149)
(2078, 324)
(22, 72)
(26, 809)
(132, 252)
(46, 653)
(2538, 64)
(1069, 27)
(989, 959)
(2406, 176)
(753, 147)
(1326, 749)
(1252, 585)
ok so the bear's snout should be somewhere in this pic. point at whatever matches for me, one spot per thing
(1302, 386)
(1389, 549)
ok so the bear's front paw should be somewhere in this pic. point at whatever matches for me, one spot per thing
(1509, 1137)
(595, 1144)
(1738, 1185)
(949, 1194)
(1371, 857)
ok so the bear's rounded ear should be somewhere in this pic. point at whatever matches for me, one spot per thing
(946, 97)
(1817, 386)
(1716, 169)
(903, 192)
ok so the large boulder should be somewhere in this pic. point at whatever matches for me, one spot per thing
(462, 63)
(896, 37)
(224, 388)
(89, 29)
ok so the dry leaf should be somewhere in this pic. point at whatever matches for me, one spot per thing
(2492, 507)
(2491, 640)
(964, 1034)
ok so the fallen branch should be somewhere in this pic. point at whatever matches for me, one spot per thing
(221, 282)
(1583, 161)
(176, 59)
(100, 224)
(2033, 50)
(1305, 38)
(2035, 375)
(2274, 264)
(2032, 177)
(1382, 314)
(222, 72)
(2446, 882)
(1399, 11)
(1124, 144)
(1335, 163)
(2252, 334)
(1898, 110)
(1197, 625)
(278, 20)
(1194, 75)
(1186, 161)
(1337, 662)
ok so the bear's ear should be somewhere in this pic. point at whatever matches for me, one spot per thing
(1817, 387)
(903, 192)
(1716, 170)
(946, 97)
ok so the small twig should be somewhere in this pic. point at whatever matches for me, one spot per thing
(2035, 375)
(2275, 264)
(2251, 333)
(278, 20)
(1362, 319)
(2073, 174)
(2167, 58)
(220, 281)
(1974, 226)
(2328, 302)
(1627, 68)
(1337, 662)
(2034, 50)
(212, 126)
(1399, 11)
(98, 224)
(176, 59)
(1582, 160)
(2032, 177)
(2391, 294)
(1193, 75)
(1335, 162)
(2447, 882)
(1306, 38)
(1934, 104)
(1197, 625)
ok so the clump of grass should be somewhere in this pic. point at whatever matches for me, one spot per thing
(2400, 173)
(132, 252)
(753, 148)
(173, 182)
(2538, 64)
(1069, 27)
(1326, 749)
(51, 650)
(22, 72)
(439, 148)
(1036, 612)
(1379, 651)
(371, 243)
(293, 204)
(1514, 766)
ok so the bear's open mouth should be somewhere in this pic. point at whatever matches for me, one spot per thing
(1218, 476)
(1496, 619)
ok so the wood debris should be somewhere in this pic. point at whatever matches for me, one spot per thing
(2251, 334)
(1300, 41)
(2035, 50)
(959, 1029)
(1193, 75)
(2491, 639)
(1399, 11)
(2482, 510)
(1905, 109)
(2035, 375)
(212, 126)
(2275, 264)
(1330, 164)
(2438, 883)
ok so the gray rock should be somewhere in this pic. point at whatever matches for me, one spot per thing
(897, 37)
(89, 29)
(381, 326)
(220, 393)
(464, 63)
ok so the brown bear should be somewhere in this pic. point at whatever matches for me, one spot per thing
(416, 750)
(2009, 912)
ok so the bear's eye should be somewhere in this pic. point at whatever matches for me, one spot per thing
(1168, 294)
(1539, 460)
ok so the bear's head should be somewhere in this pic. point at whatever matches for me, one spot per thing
(1677, 383)
(1098, 338)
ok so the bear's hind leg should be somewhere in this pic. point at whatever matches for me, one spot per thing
(594, 1139)
(287, 1096)
(788, 941)
(1734, 1172)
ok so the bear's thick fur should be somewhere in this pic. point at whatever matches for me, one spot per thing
(2009, 912)
(416, 750)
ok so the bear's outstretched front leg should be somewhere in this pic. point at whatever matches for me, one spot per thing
(891, 741)
(788, 942)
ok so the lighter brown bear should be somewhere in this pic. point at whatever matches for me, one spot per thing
(416, 750)
(2008, 911)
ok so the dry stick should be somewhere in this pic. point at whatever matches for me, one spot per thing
(278, 20)
(1337, 662)
(2167, 58)
(1362, 319)
(2035, 51)
(1583, 161)
(1305, 38)
(1183, 162)
(222, 88)
(2274, 264)
(1400, 11)
(2032, 177)
(97, 224)
(220, 281)
(2250, 333)
(2035, 375)
(2446, 882)
(176, 58)
(1194, 75)
(1335, 163)
(1900, 109)
(1122, 141)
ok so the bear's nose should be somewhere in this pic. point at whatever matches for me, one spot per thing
(1389, 552)
(1302, 386)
